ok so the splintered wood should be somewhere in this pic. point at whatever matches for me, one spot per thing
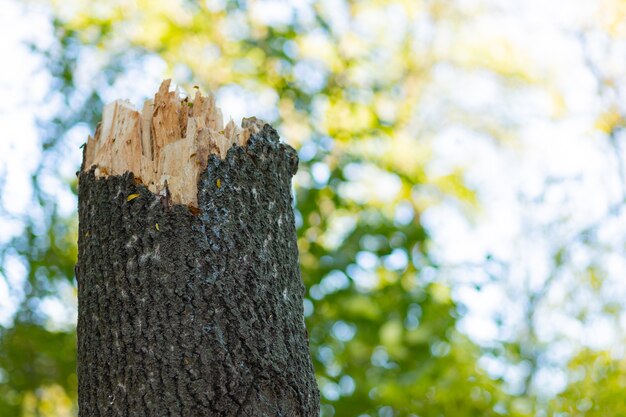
(167, 144)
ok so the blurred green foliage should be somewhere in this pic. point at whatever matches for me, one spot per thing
(597, 383)
(350, 85)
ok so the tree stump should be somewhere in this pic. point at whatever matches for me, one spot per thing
(189, 288)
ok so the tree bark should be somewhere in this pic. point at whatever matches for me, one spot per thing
(187, 312)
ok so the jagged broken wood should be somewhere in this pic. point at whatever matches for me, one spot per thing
(167, 143)
(189, 289)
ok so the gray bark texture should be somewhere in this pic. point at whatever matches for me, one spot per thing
(194, 313)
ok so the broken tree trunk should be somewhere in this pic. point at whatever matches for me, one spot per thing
(189, 289)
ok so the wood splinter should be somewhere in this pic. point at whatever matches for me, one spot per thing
(167, 143)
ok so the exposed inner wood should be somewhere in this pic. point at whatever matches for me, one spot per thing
(167, 143)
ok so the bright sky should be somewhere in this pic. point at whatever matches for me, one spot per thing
(582, 167)
(17, 132)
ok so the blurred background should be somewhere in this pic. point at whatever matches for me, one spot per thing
(459, 204)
